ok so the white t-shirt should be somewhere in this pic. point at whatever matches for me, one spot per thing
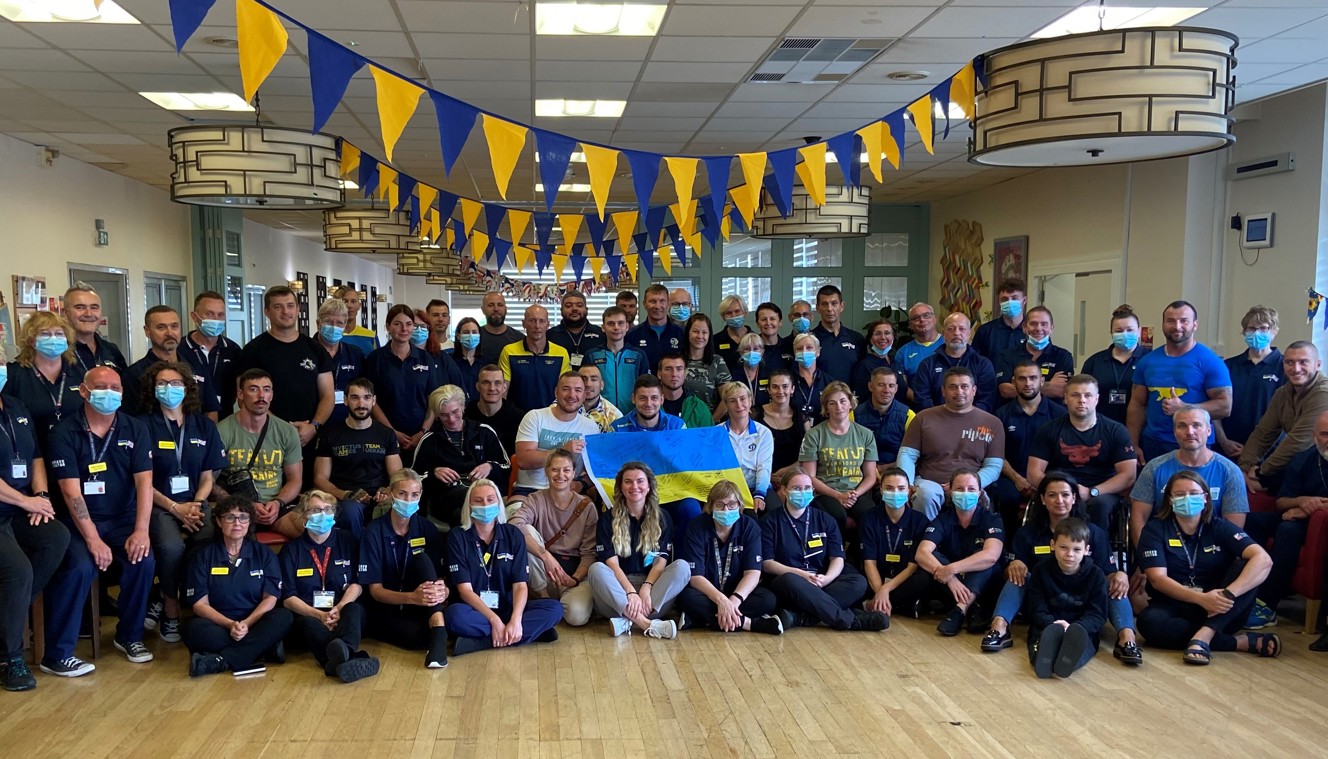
(543, 429)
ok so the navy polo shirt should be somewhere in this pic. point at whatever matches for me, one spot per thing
(888, 427)
(127, 451)
(708, 556)
(532, 377)
(1053, 359)
(634, 564)
(1021, 428)
(1252, 387)
(1032, 546)
(955, 542)
(384, 553)
(927, 387)
(577, 346)
(807, 543)
(18, 445)
(300, 575)
(467, 372)
(403, 385)
(234, 591)
(1306, 474)
(132, 379)
(1211, 550)
(669, 339)
(347, 364)
(106, 354)
(727, 348)
(1115, 381)
(891, 545)
(217, 366)
(838, 352)
(760, 388)
(994, 338)
(807, 398)
(189, 452)
(495, 566)
(46, 402)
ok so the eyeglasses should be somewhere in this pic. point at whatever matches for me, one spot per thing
(921, 317)
(171, 383)
(234, 518)
(322, 510)
(728, 505)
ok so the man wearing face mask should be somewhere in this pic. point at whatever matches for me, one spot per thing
(800, 319)
(680, 306)
(575, 333)
(1055, 363)
(211, 354)
(102, 462)
(495, 334)
(1005, 331)
(355, 458)
(1256, 374)
(161, 325)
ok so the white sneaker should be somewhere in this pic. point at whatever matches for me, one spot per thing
(662, 628)
(621, 626)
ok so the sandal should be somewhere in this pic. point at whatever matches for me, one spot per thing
(1197, 653)
(1264, 645)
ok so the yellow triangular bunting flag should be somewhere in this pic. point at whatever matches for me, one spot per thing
(435, 222)
(262, 42)
(479, 245)
(963, 90)
(387, 185)
(397, 100)
(559, 263)
(505, 143)
(517, 221)
(602, 164)
(684, 175)
(350, 160)
(920, 110)
(632, 262)
(522, 255)
(470, 213)
(625, 223)
(726, 226)
(596, 263)
(571, 224)
(872, 139)
(427, 195)
(812, 171)
(666, 258)
(746, 197)
(694, 242)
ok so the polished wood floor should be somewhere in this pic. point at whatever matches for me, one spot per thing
(810, 693)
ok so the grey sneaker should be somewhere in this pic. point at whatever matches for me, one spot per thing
(135, 651)
(666, 629)
(621, 626)
(169, 630)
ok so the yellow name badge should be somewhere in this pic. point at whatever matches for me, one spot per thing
(814, 543)
(1041, 550)
(893, 558)
(100, 466)
(1174, 543)
(306, 572)
(417, 541)
(166, 445)
(221, 570)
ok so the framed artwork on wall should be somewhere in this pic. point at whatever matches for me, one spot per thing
(1009, 261)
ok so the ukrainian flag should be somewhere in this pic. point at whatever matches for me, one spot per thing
(686, 463)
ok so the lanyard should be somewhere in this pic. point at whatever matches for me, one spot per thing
(898, 536)
(1190, 558)
(485, 564)
(806, 532)
(322, 568)
(56, 400)
(806, 394)
(97, 456)
(728, 560)
(1116, 367)
(179, 445)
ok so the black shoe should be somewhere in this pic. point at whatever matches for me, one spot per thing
(206, 664)
(1129, 653)
(952, 624)
(275, 655)
(914, 610)
(548, 636)
(465, 646)
(338, 653)
(1046, 649)
(1073, 647)
(871, 621)
(1321, 644)
(358, 667)
(770, 624)
(788, 620)
(436, 658)
(15, 676)
(975, 621)
(994, 641)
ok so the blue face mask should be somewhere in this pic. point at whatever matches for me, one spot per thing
(1259, 341)
(894, 499)
(419, 336)
(331, 334)
(735, 322)
(470, 341)
(485, 514)
(51, 346)
(406, 509)
(879, 352)
(806, 358)
(1191, 505)
(752, 358)
(212, 327)
(727, 517)
(105, 401)
(680, 313)
(1040, 343)
(170, 396)
(801, 499)
(1125, 340)
(802, 324)
(964, 501)
(1012, 309)
(4, 376)
(320, 523)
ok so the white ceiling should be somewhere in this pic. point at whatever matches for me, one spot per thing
(73, 86)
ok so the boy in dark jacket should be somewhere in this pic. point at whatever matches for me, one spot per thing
(1067, 602)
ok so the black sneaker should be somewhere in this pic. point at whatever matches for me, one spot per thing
(275, 655)
(358, 667)
(464, 645)
(548, 636)
(134, 651)
(952, 624)
(769, 624)
(338, 653)
(870, 621)
(15, 676)
(975, 621)
(68, 667)
(206, 664)
(1046, 649)
(1073, 647)
(436, 658)
(788, 620)
(994, 641)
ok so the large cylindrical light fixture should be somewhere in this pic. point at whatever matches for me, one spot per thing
(845, 214)
(363, 229)
(1106, 97)
(254, 166)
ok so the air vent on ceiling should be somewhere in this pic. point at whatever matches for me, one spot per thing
(807, 60)
(799, 43)
(766, 77)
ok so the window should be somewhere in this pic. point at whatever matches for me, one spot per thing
(690, 285)
(887, 249)
(804, 288)
(746, 253)
(810, 253)
(753, 290)
(230, 242)
(878, 292)
(167, 290)
(256, 322)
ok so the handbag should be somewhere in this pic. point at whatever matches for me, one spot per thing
(241, 481)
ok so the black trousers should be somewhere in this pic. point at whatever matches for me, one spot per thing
(1169, 623)
(308, 631)
(698, 607)
(1288, 536)
(404, 625)
(204, 637)
(916, 588)
(445, 502)
(830, 605)
(29, 557)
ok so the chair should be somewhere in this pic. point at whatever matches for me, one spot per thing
(272, 539)
(1308, 579)
(34, 627)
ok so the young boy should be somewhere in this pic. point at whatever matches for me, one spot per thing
(1067, 600)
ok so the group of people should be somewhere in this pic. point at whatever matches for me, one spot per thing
(974, 470)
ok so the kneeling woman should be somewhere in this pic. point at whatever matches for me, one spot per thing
(634, 582)
(233, 584)
(803, 558)
(961, 549)
(723, 549)
(318, 585)
(1202, 576)
(487, 567)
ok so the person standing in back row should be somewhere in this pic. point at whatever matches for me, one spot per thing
(83, 309)
(841, 347)
(495, 335)
(575, 334)
(657, 336)
(1005, 331)
(356, 334)
(212, 355)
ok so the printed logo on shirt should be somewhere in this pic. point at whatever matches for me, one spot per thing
(1271, 377)
(125, 444)
(1240, 536)
(364, 568)
(308, 364)
(346, 367)
(57, 463)
(930, 529)
(981, 433)
(419, 368)
(454, 567)
(848, 345)
(1080, 454)
(21, 419)
(673, 342)
(1150, 554)
(993, 530)
(197, 441)
(200, 379)
(505, 556)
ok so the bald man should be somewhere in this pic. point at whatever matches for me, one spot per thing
(680, 306)
(532, 366)
(955, 352)
(495, 335)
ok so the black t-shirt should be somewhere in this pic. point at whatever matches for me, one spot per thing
(1090, 456)
(294, 367)
(505, 422)
(18, 451)
(954, 541)
(636, 563)
(358, 456)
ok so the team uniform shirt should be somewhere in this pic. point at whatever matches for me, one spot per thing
(233, 590)
(347, 364)
(215, 367)
(665, 423)
(954, 542)
(1090, 456)
(359, 457)
(888, 426)
(619, 371)
(280, 447)
(891, 545)
(931, 372)
(722, 562)
(318, 574)
(1305, 474)
(807, 396)
(532, 377)
(182, 453)
(1188, 377)
(294, 366)
(548, 433)
(727, 348)
(577, 346)
(1200, 560)
(18, 451)
(995, 338)
(1020, 428)
(656, 342)
(468, 371)
(1033, 547)
(1226, 483)
(384, 554)
(132, 381)
(947, 440)
(862, 372)
(1052, 361)
(488, 568)
(491, 345)
(807, 543)
(1115, 381)
(839, 353)
(1252, 387)
(361, 338)
(105, 467)
(758, 386)
(755, 449)
(107, 353)
(604, 414)
(637, 563)
(506, 421)
(909, 356)
(46, 402)
(839, 458)
(403, 385)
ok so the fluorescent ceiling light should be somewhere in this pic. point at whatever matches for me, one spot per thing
(1085, 19)
(602, 19)
(566, 187)
(557, 107)
(198, 101)
(65, 11)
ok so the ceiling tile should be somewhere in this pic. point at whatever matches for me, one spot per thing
(609, 71)
(859, 21)
(514, 47)
(117, 61)
(640, 108)
(784, 93)
(54, 81)
(1278, 50)
(578, 48)
(1256, 22)
(584, 90)
(988, 22)
(369, 15)
(681, 91)
(127, 37)
(956, 51)
(1299, 75)
(38, 60)
(169, 83)
(19, 36)
(694, 72)
(728, 21)
(631, 124)
(442, 71)
(447, 16)
(731, 50)
(767, 109)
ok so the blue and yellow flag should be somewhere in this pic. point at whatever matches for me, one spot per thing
(686, 463)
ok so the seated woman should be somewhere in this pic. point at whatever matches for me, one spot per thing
(559, 526)
(234, 584)
(634, 545)
(723, 594)
(400, 554)
(1202, 574)
(890, 539)
(1058, 500)
(839, 455)
(961, 550)
(454, 453)
(803, 561)
(787, 425)
(880, 339)
(487, 567)
(752, 443)
(319, 586)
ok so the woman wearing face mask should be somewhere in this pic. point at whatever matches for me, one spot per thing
(1256, 373)
(961, 550)
(187, 452)
(840, 457)
(488, 570)
(769, 318)
(880, 341)
(1203, 574)
(1113, 368)
(46, 375)
(723, 548)
(466, 354)
(404, 374)
(421, 336)
(400, 555)
(347, 359)
(787, 425)
(454, 453)
(808, 381)
(727, 342)
(752, 444)
(706, 371)
(752, 370)
(234, 584)
(803, 560)
(319, 587)
(890, 539)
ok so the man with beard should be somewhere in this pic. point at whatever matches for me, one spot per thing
(627, 301)
(596, 406)
(495, 335)
(575, 333)
(1182, 372)
(161, 324)
(672, 371)
(646, 416)
(547, 429)
(356, 458)
(955, 352)
(265, 446)
(1287, 427)
(1021, 418)
(82, 307)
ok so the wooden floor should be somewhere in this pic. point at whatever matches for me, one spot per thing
(810, 693)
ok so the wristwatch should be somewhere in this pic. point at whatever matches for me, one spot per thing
(1094, 492)
(1227, 594)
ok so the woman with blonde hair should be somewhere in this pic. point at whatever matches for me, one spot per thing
(727, 342)
(46, 374)
(723, 549)
(752, 443)
(347, 359)
(455, 452)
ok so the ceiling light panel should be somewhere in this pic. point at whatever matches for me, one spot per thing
(65, 11)
(559, 107)
(599, 19)
(199, 101)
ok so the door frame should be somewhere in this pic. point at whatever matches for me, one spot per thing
(126, 344)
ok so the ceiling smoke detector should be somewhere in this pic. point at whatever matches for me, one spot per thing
(226, 42)
(907, 76)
